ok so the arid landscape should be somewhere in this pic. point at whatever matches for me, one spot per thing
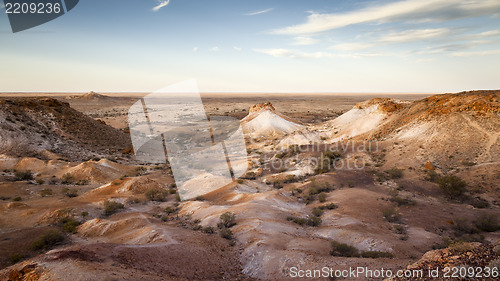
(394, 181)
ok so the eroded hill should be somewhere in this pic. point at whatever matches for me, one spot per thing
(45, 126)
(369, 188)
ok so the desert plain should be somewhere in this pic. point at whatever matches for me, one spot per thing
(394, 181)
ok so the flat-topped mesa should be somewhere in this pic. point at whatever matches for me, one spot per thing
(262, 106)
(92, 95)
(88, 96)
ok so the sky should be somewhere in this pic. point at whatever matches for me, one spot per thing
(286, 46)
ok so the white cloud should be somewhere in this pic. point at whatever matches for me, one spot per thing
(278, 53)
(214, 49)
(302, 40)
(407, 10)
(161, 4)
(237, 48)
(414, 35)
(476, 53)
(195, 49)
(424, 60)
(451, 48)
(394, 38)
(292, 54)
(352, 46)
(457, 42)
(491, 33)
(259, 12)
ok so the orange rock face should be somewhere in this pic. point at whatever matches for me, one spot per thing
(262, 106)
(429, 166)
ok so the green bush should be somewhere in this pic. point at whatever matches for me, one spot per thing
(478, 202)
(332, 155)
(17, 198)
(170, 210)
(313, 221)
(250, 176)
(402, 201)
(291, 178)
(322, 197)
(23, 175)
(487, 222)
(46, 192)
(459, 247)
(82, 182)
(140, 170)
(281, 154)
(278, 184)
(111, 207)
(67, 178)
(39, 181)
(343, 250)
(376, 255)
(156, 194)
(327, 161)
(72, 193)
(317, 189)
(15, 258)
(297, 220)
(226, 233)
(47, 240)
(392, 215)
(318, 212)
(323, 166)
(462, 226)
(70, 225)
(395, 173)
(208, 230)
(330, 206)
(432, 176)
(400, 229)
(226, 220)
(452, 186)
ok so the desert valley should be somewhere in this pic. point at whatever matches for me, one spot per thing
(405, 181)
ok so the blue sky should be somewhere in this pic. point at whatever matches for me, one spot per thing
(258, 46)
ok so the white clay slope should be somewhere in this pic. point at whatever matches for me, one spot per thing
(355, 122)
(267, 123)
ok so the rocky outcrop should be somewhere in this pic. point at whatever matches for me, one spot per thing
(385, 105)
(262, 106)
(475, 255)
(264, 121)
